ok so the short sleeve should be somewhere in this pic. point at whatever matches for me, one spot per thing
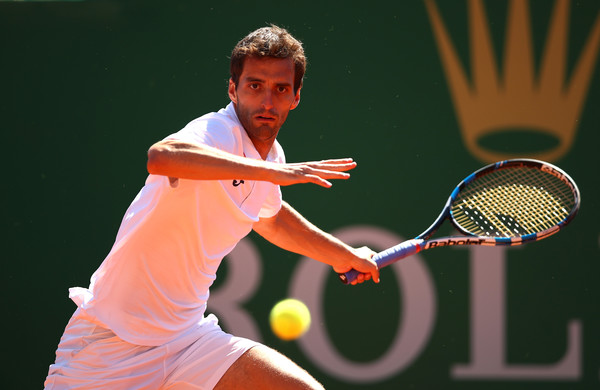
(207, 131)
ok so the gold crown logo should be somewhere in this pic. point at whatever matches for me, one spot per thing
(519, 100)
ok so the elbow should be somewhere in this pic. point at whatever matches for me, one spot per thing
(156, 158)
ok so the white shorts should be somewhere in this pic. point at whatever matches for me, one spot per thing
(92, 357)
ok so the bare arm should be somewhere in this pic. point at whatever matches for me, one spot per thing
(291, 231)
(185, 160)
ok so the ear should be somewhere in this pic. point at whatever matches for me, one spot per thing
(296, 99)
(232, 92)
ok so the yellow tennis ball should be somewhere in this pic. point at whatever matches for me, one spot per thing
(289, 319)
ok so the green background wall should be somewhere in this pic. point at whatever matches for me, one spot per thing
(87, 87)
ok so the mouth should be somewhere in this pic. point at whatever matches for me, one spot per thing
(265, 118)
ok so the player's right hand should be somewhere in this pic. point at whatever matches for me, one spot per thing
(364, 263)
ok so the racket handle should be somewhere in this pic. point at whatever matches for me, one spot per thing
(387, 257)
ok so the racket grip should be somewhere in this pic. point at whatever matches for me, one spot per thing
(387, 257)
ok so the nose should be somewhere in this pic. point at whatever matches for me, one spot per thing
(267, 101)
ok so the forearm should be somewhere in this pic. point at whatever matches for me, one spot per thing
(291, 231)
(183, 160)
(200, 162)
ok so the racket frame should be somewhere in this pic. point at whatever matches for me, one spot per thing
(510, 241)
(422, 241)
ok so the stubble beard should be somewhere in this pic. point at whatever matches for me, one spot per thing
(262, 133)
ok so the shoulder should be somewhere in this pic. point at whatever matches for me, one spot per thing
(217, 129)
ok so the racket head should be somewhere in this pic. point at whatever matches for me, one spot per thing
(514, 201)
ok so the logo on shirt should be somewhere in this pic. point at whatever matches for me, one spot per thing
(237, 182)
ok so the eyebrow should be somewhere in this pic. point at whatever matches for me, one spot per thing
(257, 79)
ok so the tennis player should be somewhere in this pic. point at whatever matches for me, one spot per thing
(142, 323)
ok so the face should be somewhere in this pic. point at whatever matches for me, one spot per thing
(263, 98)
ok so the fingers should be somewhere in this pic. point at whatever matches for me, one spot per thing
(317, 172)
(320, 176)
(338, 165)
(361, 279)
(333, 175)
(319, 181)
(373, 275)
(376, 276)
(368, 268)
(331, 169)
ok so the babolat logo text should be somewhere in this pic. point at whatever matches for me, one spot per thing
(455, 241)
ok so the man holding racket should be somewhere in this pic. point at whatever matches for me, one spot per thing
(141, 323)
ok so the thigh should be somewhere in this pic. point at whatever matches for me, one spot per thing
(264, 368)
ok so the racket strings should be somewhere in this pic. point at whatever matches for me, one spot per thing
(512, 202)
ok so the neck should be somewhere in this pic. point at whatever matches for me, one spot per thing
(263, 148)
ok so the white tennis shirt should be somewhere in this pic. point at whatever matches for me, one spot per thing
(154, 283)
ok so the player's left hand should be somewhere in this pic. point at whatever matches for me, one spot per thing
(317, 172)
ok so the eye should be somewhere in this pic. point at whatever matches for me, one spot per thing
(282, 89)
(254, 85)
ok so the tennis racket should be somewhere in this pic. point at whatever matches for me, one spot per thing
(510, 202)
